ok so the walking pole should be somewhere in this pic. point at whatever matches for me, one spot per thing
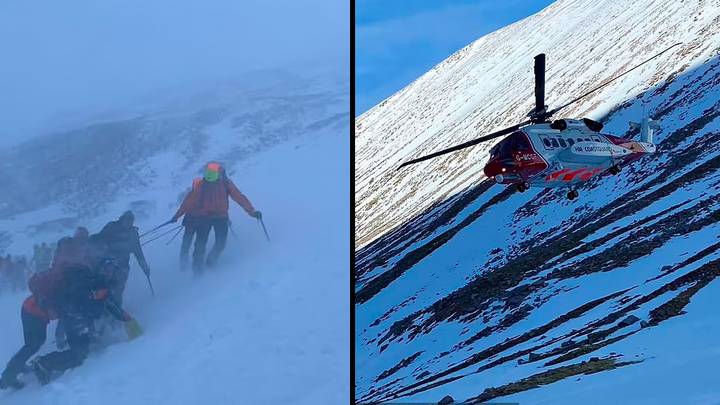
(174, 236)
(161, 235)
(156, 228)
(263, 227)
(232, 231)
(152, 290)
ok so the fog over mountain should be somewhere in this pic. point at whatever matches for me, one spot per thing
(66, 62)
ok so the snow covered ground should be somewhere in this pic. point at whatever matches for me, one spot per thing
(269, 326)
(681, 369)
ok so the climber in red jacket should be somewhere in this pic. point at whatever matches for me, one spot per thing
(75, 296)
(206, 207)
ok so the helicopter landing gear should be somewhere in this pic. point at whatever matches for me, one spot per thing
(572, 194)
(614, 170)
(522, 187)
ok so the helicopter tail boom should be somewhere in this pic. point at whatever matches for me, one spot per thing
(647, 128)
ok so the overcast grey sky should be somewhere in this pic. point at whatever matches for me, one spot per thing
(86, 55)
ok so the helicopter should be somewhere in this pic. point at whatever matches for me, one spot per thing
(560, 153)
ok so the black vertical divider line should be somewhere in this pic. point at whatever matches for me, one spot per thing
(352, 202)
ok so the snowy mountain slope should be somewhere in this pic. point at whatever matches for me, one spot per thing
(488, 85)
(467, 288)
(241, 334)
(84, 168)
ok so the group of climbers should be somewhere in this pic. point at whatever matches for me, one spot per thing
(75, 296)
(84, 281)
(13, 273)
(86, 277)
(42, 257)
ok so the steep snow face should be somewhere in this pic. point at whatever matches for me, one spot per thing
(250, 331)
(489, 85)
(468, 288)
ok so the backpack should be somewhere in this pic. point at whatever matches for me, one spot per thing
(45, 284)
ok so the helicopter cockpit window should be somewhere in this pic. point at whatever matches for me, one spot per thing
(519, 142)
(579, 140)
(596, 139)
(587, 139)
(570, 141)
(547, 143)
(502, 149)
(562, 142)
(554, 142)
(495, 151)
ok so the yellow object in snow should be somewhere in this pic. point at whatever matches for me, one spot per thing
(133, 329)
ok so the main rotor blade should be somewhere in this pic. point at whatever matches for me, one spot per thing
(465, 145)
(539, 83)
(609, 81)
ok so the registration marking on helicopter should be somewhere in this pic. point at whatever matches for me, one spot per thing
(593, 148)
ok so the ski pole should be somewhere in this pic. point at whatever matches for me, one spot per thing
(263, 227)
(156, 228)
(232, 231)
(174, 236)
(161, 235)
(152, 290)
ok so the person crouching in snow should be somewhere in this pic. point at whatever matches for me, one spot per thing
(76, 297)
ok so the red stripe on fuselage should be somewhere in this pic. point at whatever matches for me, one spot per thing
(555, 175)
(571, 175)
(588, 174)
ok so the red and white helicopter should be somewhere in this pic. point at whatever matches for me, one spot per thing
(563, 152)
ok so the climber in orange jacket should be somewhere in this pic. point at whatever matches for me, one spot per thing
(206, 207)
